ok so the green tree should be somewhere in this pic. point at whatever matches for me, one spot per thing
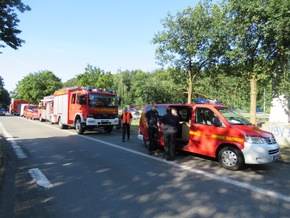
(70, 83)
(258, 33)
(95, 77)
(188, 41)
(9, 22)
(37, 85)
(4, 95)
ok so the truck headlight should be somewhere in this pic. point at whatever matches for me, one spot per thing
(254, 140)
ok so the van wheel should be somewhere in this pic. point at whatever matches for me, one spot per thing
(79, 128)
(231, 158)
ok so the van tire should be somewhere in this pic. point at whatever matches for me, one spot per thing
(231, 158)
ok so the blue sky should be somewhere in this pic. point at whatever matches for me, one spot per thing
(64, 36)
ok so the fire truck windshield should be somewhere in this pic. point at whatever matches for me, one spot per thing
(97, 100)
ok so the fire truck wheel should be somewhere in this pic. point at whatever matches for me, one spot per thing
(79, 127)
(231, 158)
(60, 124)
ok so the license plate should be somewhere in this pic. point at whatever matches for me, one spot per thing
(104, 121)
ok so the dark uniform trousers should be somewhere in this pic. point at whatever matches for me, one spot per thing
(169, 137)
(152, 134)
(126, 129)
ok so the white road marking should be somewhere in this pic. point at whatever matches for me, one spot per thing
(18, 151)
(233, 182)
(40, 178)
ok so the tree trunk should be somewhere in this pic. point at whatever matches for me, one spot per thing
(253, 106)
(189, 96)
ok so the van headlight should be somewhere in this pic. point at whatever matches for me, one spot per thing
(254, 140)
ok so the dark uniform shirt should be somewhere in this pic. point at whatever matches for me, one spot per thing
(152, 117)
(169, 121)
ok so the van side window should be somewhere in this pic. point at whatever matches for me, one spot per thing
(161, 110)
(204, 116)
(183, 114)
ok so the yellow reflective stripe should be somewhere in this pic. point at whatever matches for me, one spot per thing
(214, 136)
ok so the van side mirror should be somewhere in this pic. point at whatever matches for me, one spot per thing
(216, 122)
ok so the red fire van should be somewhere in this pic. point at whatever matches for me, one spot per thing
(214, 130)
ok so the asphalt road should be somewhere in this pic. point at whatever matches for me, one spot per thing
(97, 175)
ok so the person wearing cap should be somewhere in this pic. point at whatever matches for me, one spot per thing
(151, 118)
(126, 119)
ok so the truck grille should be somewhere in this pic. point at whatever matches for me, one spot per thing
(270, 140)
(275, 151)
(104, 116)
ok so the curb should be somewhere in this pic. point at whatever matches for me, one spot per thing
(2, 159)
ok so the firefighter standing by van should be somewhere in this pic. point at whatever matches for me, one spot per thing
(169, 123)
(126, 118)
(151, 120)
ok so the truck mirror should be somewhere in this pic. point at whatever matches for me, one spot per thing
(216, 122)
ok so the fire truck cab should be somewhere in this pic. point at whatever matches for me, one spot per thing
(85, 109)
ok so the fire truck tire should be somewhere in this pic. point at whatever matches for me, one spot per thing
(231, 158)
(60, 124)
(79, 128)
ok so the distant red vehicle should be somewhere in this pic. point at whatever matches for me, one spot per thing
(31, 111)
(15, 106)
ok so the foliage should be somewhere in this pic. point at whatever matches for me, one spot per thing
(9, 22)
(37, 85)
(4, 95)
(188, 42)
(237, 37)
(95, 77)
(70, 83)
(257, 51)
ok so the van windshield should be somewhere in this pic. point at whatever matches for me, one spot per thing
(233, 117)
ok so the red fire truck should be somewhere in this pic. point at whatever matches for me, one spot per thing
(15, 106)
(45, 111)
(85, 109)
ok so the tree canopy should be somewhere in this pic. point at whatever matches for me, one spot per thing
(94, 77)
(236, 37)
(9, 23)
(4, 95)
(37, 85)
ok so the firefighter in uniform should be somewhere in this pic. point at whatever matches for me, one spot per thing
(169, 123)
(126, 123)
(151, 118)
